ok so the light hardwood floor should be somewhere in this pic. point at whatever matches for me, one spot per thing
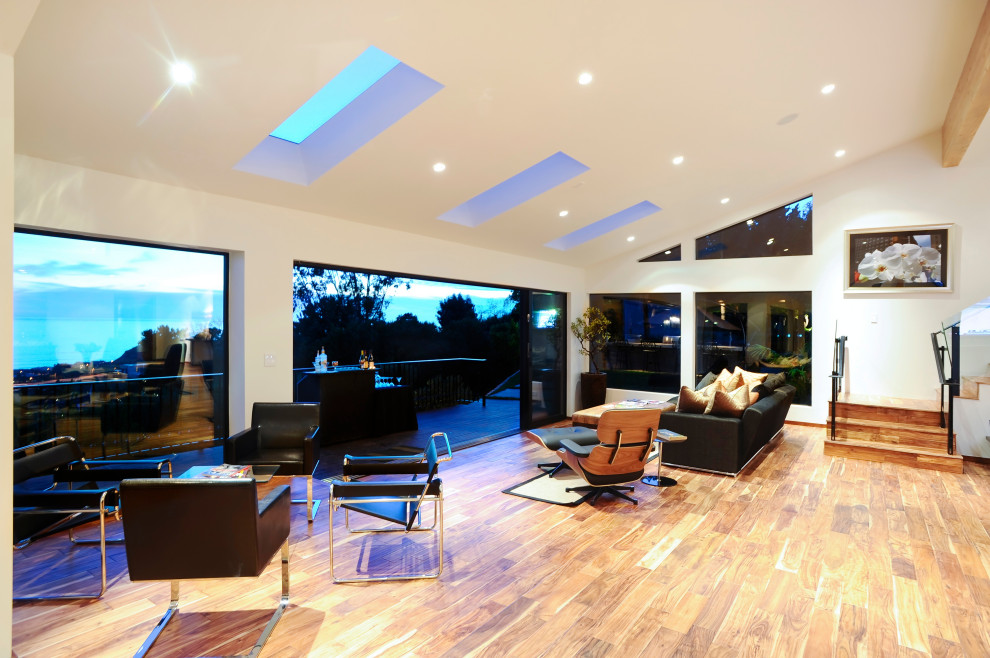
(801, 554)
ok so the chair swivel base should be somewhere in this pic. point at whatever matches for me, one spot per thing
(596, 492)
(658, 481)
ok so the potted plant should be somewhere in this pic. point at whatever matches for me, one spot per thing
(591, 329)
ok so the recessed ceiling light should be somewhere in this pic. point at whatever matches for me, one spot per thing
(563, 213)
(182, 73)
(584, 79)
(783, 301)
(749, 222)
(828, 89)
(438, 167)
(770, 241)
(725, 200)
(840, 153)
(786, 249)
(667, 253)
(630, 238)
(678, 160)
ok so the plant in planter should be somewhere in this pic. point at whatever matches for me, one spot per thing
(592, 329)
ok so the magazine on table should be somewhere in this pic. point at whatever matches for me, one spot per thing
(228, 472)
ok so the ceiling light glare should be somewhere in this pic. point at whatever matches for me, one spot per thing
(828, 89)
(182, 73)
(840, 153)
(783, 301)
(749, 222)
(563, 213)
(438, 167)
(678, 160)
(585, 78)
(725, 200)
(667, 252)
(630, 238)
(770, 241)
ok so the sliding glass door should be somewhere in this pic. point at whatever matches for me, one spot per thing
(544, 358)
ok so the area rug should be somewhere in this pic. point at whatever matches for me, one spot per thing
(548, 489)
(554, 489)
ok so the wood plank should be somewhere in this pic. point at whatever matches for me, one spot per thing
(805, 554)
(971, 99)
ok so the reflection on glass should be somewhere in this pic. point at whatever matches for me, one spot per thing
(783, 231)
(119, 345)
(758, 331)
(645, 351)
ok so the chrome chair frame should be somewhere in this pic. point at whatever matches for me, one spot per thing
(103, 509)
(419, 493)
(69, 473)
(173, 607)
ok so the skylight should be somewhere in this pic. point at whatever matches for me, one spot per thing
(368, 68)
(603, 226)
(532, 182)
(366, 97)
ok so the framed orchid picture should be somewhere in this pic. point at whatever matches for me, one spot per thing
(902, 259)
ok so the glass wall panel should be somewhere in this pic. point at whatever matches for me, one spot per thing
(757, 331)
(461, 356)
(645, 351)
(783, 231)
(119, 345)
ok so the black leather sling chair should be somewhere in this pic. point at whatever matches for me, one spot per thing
(398, 502)
(56, 487)
(282, 434)
(186, 529)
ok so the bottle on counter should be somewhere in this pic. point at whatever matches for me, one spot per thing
(322, 358)
(363, 361)
(371, 361)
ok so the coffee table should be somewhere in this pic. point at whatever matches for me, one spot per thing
(590, 417)
(261, 473)
(663, 436)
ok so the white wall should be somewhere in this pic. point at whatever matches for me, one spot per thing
(903, 186)
(6, 332)
(263, 241)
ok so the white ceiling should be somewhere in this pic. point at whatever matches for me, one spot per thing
(706, 79)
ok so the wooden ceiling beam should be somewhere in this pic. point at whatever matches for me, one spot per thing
(971, 99)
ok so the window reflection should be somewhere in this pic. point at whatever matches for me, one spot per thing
(783, 231)
(645, 351)
(757, 331)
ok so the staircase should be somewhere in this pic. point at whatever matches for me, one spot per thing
(894, 430)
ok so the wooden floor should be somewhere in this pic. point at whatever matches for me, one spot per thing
(801, 555)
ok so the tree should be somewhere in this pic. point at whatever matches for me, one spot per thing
(455, 309)
(592, 331)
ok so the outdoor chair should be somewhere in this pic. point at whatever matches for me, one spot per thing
(282, 434)
(625, 440)
(187, 529)
(56, 488)
(399, 502)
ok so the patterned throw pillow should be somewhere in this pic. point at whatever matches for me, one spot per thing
(692, 402)
(729, 405)
(751, 379)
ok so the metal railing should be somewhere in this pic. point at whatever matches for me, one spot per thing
(436, 383)
(838, 370)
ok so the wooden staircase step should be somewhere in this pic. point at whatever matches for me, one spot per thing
(970, 388)
(905, 434)
(906, 456)
(918, 416)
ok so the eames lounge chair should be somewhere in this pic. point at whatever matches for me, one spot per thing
(625, 439)
(186, 529)
(282, 434)
(398, 502)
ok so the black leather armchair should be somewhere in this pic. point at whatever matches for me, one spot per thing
(282, 434)
(198, 528)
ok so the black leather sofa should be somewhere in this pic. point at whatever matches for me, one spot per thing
(725, 445)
